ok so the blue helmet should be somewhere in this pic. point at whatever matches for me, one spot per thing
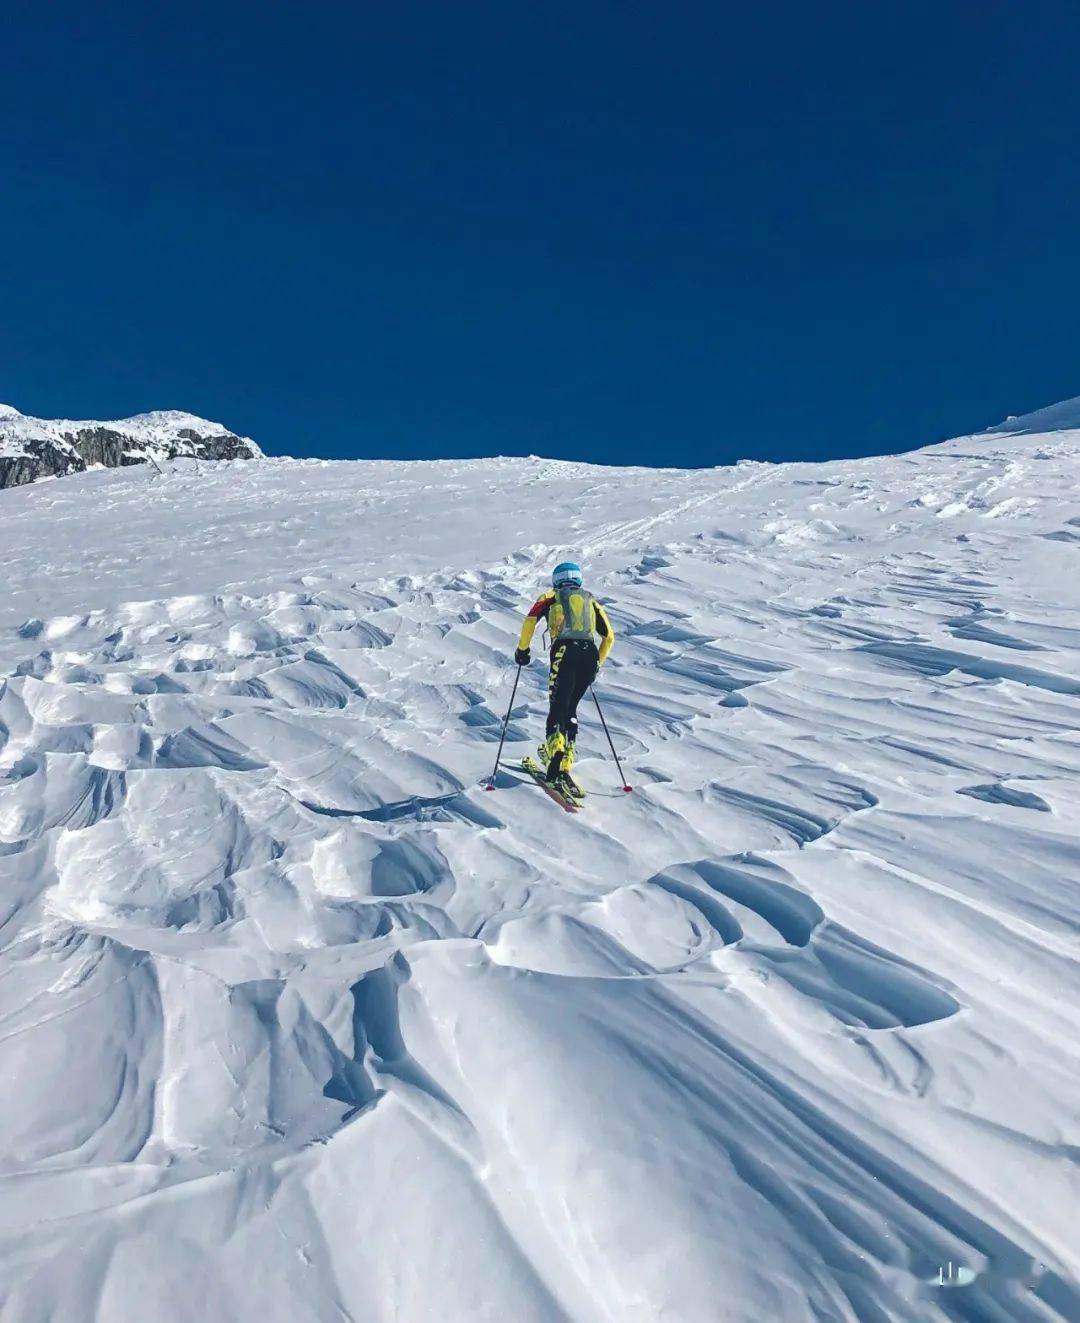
(566, 573)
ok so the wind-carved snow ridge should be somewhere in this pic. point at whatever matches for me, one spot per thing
(297, 1022)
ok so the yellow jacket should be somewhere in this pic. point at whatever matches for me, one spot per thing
(548, 607)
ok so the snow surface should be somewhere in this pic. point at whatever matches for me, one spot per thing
(159, 429)
(299, 1023)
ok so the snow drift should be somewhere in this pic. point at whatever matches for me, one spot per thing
(299, 1023)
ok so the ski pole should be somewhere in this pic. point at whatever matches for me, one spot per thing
(502, 738)
(607, 732)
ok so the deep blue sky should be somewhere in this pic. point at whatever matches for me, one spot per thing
(650, 233)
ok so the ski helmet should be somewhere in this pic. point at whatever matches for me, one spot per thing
(565, 574)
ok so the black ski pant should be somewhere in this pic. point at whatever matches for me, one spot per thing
(573, 668)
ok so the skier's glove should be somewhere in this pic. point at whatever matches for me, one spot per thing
(522, 656)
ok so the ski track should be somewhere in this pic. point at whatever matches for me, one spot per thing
(299, 1023)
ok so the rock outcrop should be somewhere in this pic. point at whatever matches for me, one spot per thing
(36, 448)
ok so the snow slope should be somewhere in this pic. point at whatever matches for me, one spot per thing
(300, 1023)
(1058, 417)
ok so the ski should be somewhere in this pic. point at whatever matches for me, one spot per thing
(564, 782)
(533, 769)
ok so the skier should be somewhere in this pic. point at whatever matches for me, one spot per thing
(573, 616)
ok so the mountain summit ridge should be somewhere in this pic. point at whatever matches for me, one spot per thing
(35, 448)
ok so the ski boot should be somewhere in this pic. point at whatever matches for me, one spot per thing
(548, 757)
(560, 760)
(550, 754)
(564, 779)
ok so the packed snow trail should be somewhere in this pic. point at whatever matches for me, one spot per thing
(298, 1023)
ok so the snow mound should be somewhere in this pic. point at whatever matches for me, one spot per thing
(299, 1022)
